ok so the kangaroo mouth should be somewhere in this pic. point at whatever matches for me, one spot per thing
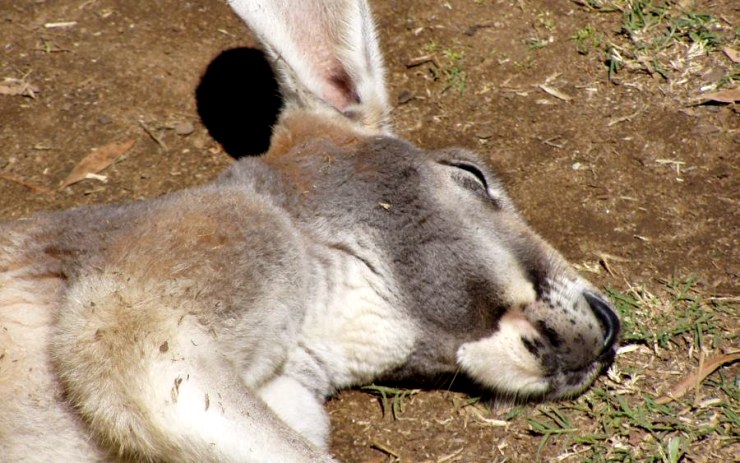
(538, 359)
(566, 384)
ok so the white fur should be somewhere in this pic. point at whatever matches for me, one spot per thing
(501, 361)
(353, 327)
(299, 408)
(313, 40)
(28, 392)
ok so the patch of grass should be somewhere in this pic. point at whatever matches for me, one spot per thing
(555, 423)
(453, 71)
(629, 429)
(430, 47)
(639, 15)
(729, 79)
(468, 401)
(546, 21)
(544, 26)
(526, 63)
(666, 326)
(587, 39)
(447, 66)
(535, 43)
(604, 6)
(514, 413)
(453, 56)
(662, 39)
(621, 419)
(391, 398)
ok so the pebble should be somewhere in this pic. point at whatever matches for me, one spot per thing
(183, 128)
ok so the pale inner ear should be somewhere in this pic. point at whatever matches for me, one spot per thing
(342, 93)
(326, 52)
(317, 31)
(311, 39)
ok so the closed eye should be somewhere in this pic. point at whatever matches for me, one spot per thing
(475, 180)
(473, 172)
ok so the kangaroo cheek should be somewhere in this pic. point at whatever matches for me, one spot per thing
(502, 360)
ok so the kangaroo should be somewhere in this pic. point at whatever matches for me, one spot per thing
(211, 324)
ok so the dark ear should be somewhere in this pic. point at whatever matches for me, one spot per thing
(326, 54)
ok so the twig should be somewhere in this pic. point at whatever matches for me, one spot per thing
(153, 136)
(551, 142)
(419, 60)
(384, 449)
(470, 31)
(60, 25)
(694, 379)
(628, 117)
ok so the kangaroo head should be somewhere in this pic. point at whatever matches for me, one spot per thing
(487, 296)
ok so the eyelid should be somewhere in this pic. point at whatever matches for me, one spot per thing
(482, 180)
(472, 169)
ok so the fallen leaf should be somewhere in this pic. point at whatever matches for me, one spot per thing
(731, 95)
(96, 161)
(36, 188)
(692, 380)
(13, 87)
(555, 92)
(734, 55)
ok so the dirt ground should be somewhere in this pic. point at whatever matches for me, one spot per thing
(628, 177)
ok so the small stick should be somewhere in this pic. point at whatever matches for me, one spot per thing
(419, 60)
(151, 134)
(384, 449)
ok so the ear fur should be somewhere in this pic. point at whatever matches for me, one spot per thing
(326, 54)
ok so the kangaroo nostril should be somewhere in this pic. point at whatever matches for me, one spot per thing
(606, 316)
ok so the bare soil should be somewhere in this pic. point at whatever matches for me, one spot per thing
(629, 178)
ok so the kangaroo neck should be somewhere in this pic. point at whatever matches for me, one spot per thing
(352, 302)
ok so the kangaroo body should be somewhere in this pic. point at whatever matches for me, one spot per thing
(212, 323)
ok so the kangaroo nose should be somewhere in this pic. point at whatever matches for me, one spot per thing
(606, 316)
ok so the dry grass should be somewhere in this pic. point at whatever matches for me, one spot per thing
(675, 43)
(636, 413)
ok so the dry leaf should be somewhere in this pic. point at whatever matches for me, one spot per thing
(689, 382)
(35, 187)
(723, 96)
(12, 87)
(734, 55)
(555, 92)
(96, 161)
